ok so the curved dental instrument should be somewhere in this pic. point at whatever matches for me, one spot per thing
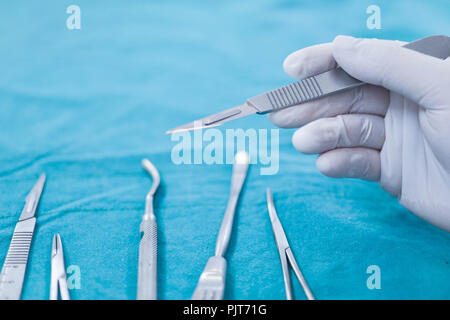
(58, 275)
(318, 86)
(14, 267)
(211, 284)
(285, 252)
(146, 288)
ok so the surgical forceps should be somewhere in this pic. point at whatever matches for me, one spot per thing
(148, 246)
(58, 276)
(285, 252)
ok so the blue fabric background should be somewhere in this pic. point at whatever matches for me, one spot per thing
(85, 106)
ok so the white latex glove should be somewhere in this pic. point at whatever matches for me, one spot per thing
(395, 131)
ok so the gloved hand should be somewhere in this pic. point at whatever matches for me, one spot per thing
(395, 131)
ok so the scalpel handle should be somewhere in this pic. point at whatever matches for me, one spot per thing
(335, 80)
(147, 259)
(14, 267)
(311, 88)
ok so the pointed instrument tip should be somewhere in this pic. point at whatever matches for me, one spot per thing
(41, 182)
(271, 205)
(43, 177)
(32, 199)
(269, 197)
(153, 172)
(183, 129)
(54, 245)
(178, 129)
(196, 125)
(242, 157)
(38, 186)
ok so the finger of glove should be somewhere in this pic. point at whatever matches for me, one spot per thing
(361, 163)
(383, 62)
(310, 61)
(366, 99)
(350, 130)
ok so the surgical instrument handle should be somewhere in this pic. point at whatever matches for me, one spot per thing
(63, 289)
(13, 272)
(148, 246)
(334, 80)
(147, 259)
(299, 275)
(239, 174)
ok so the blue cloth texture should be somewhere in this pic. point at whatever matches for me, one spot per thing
(85, 106)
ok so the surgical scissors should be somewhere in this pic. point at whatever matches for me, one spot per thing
(285, 252)
(58, 276)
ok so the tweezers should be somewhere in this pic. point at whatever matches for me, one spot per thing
(318, 86)
(58, 282)
(285, 252)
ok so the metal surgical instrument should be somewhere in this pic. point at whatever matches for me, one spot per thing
(285, 252)
(14, 267)
(146, 288)
(318, 86)
(58, 275)
(211, 284)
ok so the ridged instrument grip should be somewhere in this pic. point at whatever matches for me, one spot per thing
(335, 80)
(311, 88)
(295, 93)
(147, 260)
(287, 96)
(13, 272)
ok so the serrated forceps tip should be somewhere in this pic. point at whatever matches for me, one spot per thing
(285, 252)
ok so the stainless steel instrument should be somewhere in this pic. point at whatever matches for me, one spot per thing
(315, 87)
(211, 284)
(14, 267)
(148, 247)
(286, 255)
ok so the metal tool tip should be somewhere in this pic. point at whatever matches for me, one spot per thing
(54, 245)
(42, 178)
(242, 157)
(178, 130)
(149, 167)
(269, 195)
